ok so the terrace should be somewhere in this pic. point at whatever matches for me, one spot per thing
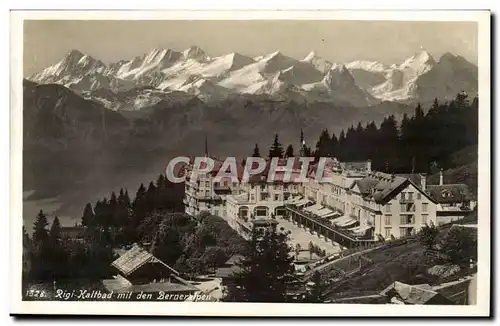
(343, 229)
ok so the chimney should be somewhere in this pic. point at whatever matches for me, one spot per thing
(441, 177)
(369, 166)
(423, 181)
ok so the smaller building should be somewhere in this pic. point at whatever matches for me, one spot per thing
(141, 273)
(76, 232)
(140, 267)
(229, 270)
(421, 294)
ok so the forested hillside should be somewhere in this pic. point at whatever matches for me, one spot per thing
(445, 137)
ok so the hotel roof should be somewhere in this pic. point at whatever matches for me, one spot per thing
(449, 193)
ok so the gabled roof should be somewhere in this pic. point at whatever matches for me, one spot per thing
(224, 272)
(449, 193)
(134, 259)
(382, 187)
(234, 259)
(415, 177)
(415, 294)
(355, 166)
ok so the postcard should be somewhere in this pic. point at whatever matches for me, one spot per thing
(250, 163)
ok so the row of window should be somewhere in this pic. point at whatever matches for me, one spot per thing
(405, 219)
(409, 196)
(407, 207)
(402, 232)
(265, 196)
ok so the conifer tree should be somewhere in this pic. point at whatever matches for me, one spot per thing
(40, 232)
(151, 199)
(276, 149)
(266, 272)
(113, 208)
(139, 206)
(55, 230)
(88, 215)
(289, 151)
(256, 151)
(316, 294)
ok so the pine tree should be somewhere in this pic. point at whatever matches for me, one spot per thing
(256, 151)
(88, 215)
(126, 198)
(460, 245)
(55, 230)
(334, 143)
(139, 206)
(323, 145)
(40, 232)
(276, 148)
(151, 200)
(427, 235)
(341, 146)
(113, 208)
(289, 151)
(266, 272)
(316, 295)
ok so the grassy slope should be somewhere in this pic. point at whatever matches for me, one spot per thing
(405, 263)
(465, 171)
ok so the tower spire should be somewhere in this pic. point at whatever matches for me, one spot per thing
(302, 143)
(206, 145)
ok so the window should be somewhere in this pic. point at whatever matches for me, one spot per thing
(252, 198)
(424, 218)
(207, 193)
(207, 184)
(276, 197)
(387, 207)
(425, 207)
(403, 196)
(409, 207)
(419, 196)
(388, 219)
(285, 186)
(286, 195)
(216, 184)
(407, 219)
(262, 187)
(264, 196)
(410, 196)
(387, 233)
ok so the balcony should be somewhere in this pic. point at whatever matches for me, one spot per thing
(222, 189)
(209, 198)
(407, 219)
(406, 201)
(354, 217)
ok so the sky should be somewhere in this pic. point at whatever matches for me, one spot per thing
(47, 41)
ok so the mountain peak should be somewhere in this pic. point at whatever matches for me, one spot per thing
(194, 52)
(74, 54)
(273, 55)
(310, 57)
(374, 66)
(419, 58)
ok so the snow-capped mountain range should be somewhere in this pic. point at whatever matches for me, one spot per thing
(164, 73)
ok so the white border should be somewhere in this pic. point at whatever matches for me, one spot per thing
(251, 309)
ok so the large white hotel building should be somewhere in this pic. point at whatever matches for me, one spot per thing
(355, 207)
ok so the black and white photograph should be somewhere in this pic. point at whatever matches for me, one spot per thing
(329, 158)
